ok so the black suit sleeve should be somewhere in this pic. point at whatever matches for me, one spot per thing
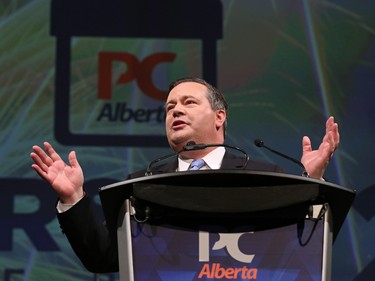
(90, 239)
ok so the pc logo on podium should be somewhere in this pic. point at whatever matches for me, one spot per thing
(216, 270)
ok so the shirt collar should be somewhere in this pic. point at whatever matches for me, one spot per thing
(213, 160)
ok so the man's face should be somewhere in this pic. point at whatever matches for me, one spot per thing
(190, 117)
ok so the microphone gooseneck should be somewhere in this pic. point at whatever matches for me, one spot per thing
(175, 154)
(190, 146)
(260, 143)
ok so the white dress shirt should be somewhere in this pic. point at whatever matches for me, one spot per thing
(213, 160)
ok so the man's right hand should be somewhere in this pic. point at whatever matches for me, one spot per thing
(66, 180)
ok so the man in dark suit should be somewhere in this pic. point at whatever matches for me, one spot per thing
(195, 111)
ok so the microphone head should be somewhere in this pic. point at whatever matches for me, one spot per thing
(258, 142)
(189, 146)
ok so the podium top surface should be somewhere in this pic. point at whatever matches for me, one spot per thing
(228, 191)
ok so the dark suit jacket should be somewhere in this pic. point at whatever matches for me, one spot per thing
(95, 246)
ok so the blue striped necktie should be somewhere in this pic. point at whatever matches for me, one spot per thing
(196, 164)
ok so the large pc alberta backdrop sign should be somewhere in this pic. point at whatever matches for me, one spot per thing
(92, 76)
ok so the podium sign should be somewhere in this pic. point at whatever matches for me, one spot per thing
(166, 253)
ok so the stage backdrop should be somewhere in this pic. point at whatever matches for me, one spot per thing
(92, 76)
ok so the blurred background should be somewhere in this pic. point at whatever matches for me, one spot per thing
(92, 76)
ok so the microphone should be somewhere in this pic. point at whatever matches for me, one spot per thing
(191, 145)
(153, 162)
(260, 143)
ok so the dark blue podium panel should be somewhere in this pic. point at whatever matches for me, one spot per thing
(163, 252)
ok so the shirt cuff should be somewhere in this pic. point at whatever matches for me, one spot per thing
(61, 207)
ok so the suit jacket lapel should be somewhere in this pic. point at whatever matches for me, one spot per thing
(232, 162)
(167, 167)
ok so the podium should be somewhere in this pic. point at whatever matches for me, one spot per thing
(225, 225)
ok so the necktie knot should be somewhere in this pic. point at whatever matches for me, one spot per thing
(197, 164)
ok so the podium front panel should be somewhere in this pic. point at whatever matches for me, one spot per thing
(239, 251)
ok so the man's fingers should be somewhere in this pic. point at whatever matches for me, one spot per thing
(51, 152)
(39, 171)
(332, 135)
(42, 155)
(39, 159)
(327, 150)
(73, 160)
(306, 144)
